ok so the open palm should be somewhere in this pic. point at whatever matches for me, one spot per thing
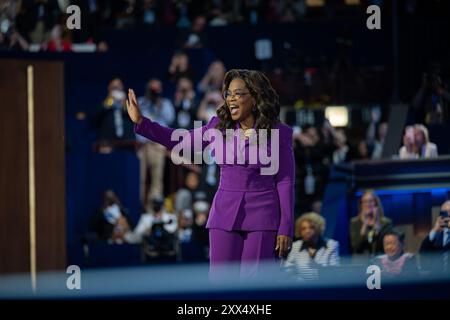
(133, 107)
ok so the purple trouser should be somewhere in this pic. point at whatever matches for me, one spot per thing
(246, 249)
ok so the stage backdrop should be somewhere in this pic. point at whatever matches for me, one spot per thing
(32, 187)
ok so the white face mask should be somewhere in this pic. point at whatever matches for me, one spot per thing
(112, 213)
(118, 95)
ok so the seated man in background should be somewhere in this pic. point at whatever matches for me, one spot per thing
(435, 248)
(395, 262)
(311, 252)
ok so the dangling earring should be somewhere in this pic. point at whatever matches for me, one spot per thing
(254, 108)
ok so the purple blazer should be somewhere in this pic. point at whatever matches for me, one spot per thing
(245, 200)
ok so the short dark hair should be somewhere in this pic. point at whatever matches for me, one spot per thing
(395, 232)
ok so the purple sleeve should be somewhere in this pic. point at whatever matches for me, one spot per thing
(163, 135)
(285, 179)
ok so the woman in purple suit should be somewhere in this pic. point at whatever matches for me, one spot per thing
(251, 217)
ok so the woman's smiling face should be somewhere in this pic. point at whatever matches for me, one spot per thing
(239, 100)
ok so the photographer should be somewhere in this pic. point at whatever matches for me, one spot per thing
(431, 101)
(435, 248)
(157, 217)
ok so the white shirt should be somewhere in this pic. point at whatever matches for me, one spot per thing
(307, 268)
(429, 150)
(446, 231)
(146, 222)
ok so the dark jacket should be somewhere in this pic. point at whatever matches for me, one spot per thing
(360, 244)
(432, 253)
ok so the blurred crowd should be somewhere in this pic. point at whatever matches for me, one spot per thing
(172, 223)
(43, 22)
(181, 212)
(173, 219)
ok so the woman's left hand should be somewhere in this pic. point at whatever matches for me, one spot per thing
(284, 244)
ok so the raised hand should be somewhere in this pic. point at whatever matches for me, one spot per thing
(133, 107)
(441, 223)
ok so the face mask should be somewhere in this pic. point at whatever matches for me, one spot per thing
(153, 94)
(118, 95)
(112, 213)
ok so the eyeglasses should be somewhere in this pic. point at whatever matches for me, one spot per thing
(238, 94)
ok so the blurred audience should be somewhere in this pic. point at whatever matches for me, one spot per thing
(185, 221)
(112, 223)
(112, 117)
(311, 252)
(10, 37)
(424, 147)
(395, 262)
(378, 144)
(152, 156)
(209, 105)
(200, 235)
(416, 143)
(191, 192)
(179, 67)
(408, 150)
(58, 42)
(38, 18)
(213, 78)
(156, 223)
(11, 40)
(312, 158)
(435, 248)
(195, 38)
(431, 101)
(368, 228)
(341, 154)
(185, 103)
